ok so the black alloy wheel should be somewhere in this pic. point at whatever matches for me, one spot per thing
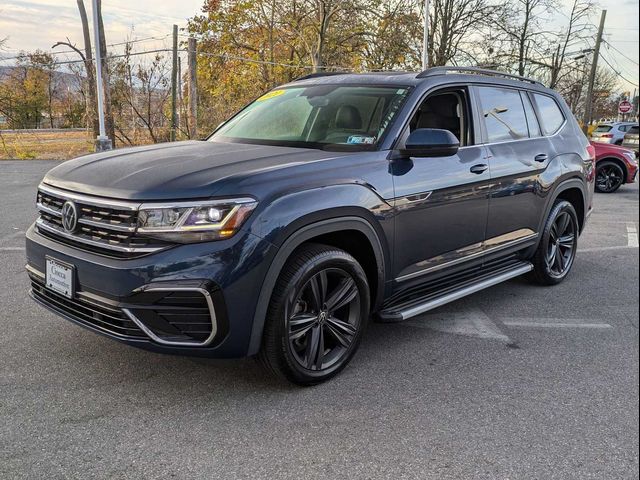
(558, 245)
(609, 177)
(323, 319)
(561, 244)
(317, 315)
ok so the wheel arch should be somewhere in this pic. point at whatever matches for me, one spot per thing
(573, 190)
(328, 230)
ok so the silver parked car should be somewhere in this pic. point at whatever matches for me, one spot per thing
(611, 132)
(631, 139)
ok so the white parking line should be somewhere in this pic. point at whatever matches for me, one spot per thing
(469, 323)
(604, 249)
(528, 324)
(632, 235)
(12, 249)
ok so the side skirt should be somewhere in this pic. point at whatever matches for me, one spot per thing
(425, 297)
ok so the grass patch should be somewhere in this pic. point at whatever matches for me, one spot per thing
(45, 145)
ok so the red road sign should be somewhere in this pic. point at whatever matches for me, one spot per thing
(625, 107)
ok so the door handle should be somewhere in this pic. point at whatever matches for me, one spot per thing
(543, 157)
(480, 168)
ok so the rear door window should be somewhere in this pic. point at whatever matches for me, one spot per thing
(551, 116)
(503, 114)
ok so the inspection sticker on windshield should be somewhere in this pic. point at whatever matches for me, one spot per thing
(271, 94)
(361, 140)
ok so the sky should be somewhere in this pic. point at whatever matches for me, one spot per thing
(38, 24)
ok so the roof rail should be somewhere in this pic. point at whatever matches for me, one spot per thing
(433, 71)
(319, 74)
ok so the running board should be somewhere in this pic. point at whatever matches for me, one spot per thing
(434, 299)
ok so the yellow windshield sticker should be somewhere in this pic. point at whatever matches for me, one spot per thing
(271, 94)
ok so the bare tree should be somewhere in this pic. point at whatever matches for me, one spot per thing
(455, 22)
(141, 96)
(87, 60)
(393, 36)
(573, 35)
(520, 23)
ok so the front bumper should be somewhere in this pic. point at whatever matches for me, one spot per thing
(148, 302)
(632, 172)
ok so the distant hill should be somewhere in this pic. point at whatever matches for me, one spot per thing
(61, 79)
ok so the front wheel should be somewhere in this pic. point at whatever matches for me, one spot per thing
(556, 252)
(609, 177)
(318, 312)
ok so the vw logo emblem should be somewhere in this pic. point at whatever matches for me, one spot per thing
(69, 216)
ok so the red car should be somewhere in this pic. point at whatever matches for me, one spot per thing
(614, 166)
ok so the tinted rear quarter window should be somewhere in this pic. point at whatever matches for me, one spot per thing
(503, 114)
(551, 116)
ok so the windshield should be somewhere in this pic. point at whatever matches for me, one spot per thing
(329, 117)
(603, 128)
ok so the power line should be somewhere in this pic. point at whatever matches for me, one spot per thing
(137, 40)
(225, 56)
(617, 72)
(622, 54)
(618, 67)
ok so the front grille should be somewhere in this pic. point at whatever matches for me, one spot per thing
(98, 315)
(104, 227)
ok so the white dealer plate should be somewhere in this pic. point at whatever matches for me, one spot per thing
(59, 277)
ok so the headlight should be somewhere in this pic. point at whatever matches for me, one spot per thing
(630, 155)
(188, 222)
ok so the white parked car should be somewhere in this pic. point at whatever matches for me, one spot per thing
(611, 132)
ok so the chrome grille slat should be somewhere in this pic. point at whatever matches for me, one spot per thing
(89, 200)
(110, 320)
(104, 226)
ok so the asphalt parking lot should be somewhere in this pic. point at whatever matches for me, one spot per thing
(515, 382)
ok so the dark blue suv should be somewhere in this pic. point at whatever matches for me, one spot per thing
(327, 201)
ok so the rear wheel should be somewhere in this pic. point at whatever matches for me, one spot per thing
(318, 312)
(609, 177)
(556, 252)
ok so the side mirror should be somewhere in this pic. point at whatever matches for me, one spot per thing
(430, 142)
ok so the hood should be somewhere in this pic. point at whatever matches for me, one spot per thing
(608, 147)
(178, 170)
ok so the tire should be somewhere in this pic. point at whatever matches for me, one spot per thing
(317, 315)
(609, 176)
(556, 252)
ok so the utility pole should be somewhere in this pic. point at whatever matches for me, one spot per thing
(102, 141)
(193, 89)
(174, 85)
(588, 107)
(425, 37)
